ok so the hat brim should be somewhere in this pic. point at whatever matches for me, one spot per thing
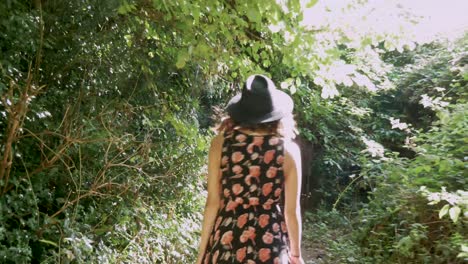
(282, 106)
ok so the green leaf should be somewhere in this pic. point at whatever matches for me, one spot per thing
(427, 168)
(293, 89)
(125, 8)
(128, 39)
(298, 81)
(464, 248)
(48, 242)
(464, 253)
(196, 15)
(254, 15)
(454, 213)
(202, 49)
(444, 210)
(182, 58)
(294, 6)
(465, 76)
(311, 3)
(444, 165)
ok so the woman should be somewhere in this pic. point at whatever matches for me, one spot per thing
(253, 164)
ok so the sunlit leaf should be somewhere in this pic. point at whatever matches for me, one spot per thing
(182, 58)
(444, 210)
(454, 213)
(48, 242)
(311, 3)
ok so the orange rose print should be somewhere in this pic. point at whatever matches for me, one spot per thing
(267, 188)
(263, 220)
(242, 220)
(254, 201)
(252, 233)
(264, 254)
(257, 141)
(248, 180)
(237, 169)
(227, 237)
(269, 155)
(240, 254)
(254, 171)
(224, 160)
(268, 238)
(280, 159)
(248, 234)
(271, 172)
(237, 188)
(231, 206)
(237, 157)
(267, 204)
(215, 256)
(275, 227)
(244, 237)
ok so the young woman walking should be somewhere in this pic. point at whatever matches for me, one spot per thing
(253, 168)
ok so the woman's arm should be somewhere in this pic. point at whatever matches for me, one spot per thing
(292, 209)
(213, 199)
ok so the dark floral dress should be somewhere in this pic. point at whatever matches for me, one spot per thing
(249, 227)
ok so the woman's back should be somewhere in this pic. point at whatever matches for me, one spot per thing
(252, 165)
(250, 170)
(250, 226)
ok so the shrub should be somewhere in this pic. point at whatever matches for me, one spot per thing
(398, 225)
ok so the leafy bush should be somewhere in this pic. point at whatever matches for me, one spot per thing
(102, 153)
(399, 226)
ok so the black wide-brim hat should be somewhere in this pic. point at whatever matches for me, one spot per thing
(259, 102)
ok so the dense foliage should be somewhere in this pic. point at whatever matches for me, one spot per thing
(400, 225)
(416, 211)
(106, 106)
(97, 140)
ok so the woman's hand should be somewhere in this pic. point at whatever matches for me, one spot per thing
(295, 260)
